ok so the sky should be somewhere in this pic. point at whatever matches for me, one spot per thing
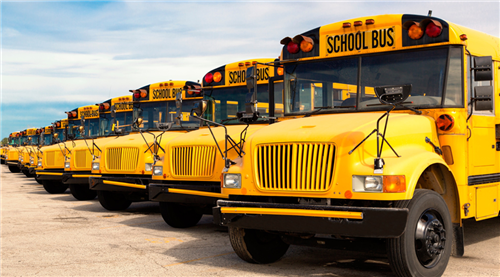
(59, 55)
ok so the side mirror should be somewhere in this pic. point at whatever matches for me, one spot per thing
(178, 100)
(81, 129)
(113, 111)
(393, 95)
(482, 68)
(199, 108)
(251, 78)
(138, 122)
(30, 138)
(483, 98)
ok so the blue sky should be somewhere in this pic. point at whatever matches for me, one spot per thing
(58, 55)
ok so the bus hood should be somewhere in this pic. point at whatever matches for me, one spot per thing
(347, 130)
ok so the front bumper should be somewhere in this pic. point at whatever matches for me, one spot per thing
(50, 174)
(312, 219)
(12, 162)
(119, 183)
(186, 192)
(77, 177)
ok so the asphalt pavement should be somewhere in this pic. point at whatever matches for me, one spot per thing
(56, 235)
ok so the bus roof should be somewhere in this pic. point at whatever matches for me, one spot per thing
(382, 33)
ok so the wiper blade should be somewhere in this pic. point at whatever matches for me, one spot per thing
(317, 109)
(228, 119)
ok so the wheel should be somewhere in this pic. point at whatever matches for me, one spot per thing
(179, 216)
(257, 246)
(14, 169)
(113, 201)
(424, 249)
(82, 192)
(27, 173)
(38, 181)
(54, 187)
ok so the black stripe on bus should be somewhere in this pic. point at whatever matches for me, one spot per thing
(483, 179)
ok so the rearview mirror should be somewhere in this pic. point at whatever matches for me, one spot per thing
(199, 108)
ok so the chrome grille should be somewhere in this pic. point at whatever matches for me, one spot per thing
(295, 166)
(194, 161)
(122, 159)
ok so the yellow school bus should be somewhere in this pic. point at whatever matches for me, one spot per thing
(12, 154)
(187, 181)
(50, 169)
(405, 165)
(28, 150)
(56, 136)
(46, 139)
(160, 113)
(97, 131)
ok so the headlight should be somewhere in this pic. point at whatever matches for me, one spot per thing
(39, 164)
(95, 166)
(367, 183)
(148, 167)
(32, 161)
(158, 170)
(66, 164)
(232, 181)
(21, 159)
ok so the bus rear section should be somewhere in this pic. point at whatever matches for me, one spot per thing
(402, 157)
(161, 113)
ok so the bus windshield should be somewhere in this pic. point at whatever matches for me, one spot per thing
(47, 139)
(225, 103)
(34, 140)
(332, 85)
(153, 113)
(91, 127)
(123, 121)
(60, 134)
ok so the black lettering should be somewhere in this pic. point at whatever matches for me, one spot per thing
(383, 38)
(390, 34)
(336, 47)
(374, 39)
(364, 42)
(329, 49)
(343, 43)
(350, 41)
(358, 41)
(267, 73)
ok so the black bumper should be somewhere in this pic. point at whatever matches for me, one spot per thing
(12, 163)
(375, 222)
(125, 184)
(50, 175)
(188, 192)
(32, 170)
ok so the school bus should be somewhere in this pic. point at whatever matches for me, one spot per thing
(405, 165)
(187, 181)
(97, 131)
(23, 149)
(50, 169)
(28, 150)
(12, 154)
(123, 169)
(45, 139)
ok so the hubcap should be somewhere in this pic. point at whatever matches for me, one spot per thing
(430, 238)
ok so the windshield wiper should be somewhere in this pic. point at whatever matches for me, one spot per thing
(401, 105)
(317, 109)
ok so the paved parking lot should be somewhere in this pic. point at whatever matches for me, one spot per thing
(56, 235)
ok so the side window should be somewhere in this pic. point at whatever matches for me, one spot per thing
(454, 94)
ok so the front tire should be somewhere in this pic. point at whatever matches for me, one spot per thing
(82, 192)
(257, 246)
(179, 216)
(38, 180)
(113, 201)
(14, 169)
(424, 249)
(54, 187)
